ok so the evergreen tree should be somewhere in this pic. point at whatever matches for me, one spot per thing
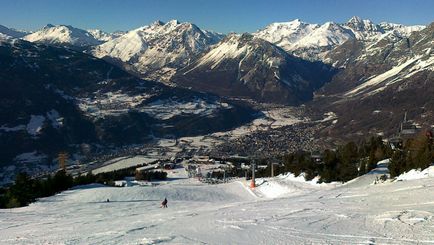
(22, 190)
(397, 163)
(362, 168)
(329, 169)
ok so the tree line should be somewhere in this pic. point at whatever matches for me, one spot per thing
(350, 160)
(344, 163)
(416, 153)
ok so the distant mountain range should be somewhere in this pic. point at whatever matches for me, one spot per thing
(181, 53)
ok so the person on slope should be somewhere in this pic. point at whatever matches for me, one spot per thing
(164, 203)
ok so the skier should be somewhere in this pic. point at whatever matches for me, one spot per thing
(164, 203)
(108, 200)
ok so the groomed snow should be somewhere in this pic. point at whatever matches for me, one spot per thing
(123, 162)
(416, 174)
(297, 212)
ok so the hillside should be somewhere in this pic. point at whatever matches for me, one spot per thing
(55, 99)
(248, 67)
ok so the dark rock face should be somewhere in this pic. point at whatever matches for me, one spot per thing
(248, 67)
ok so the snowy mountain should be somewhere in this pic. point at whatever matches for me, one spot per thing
(321, 40)
(363, 29)
(104, 36)
(303, 39)
(250, 67)
(313, 41)
(286, 34)
(401, 29)
(63, 35)
(12, 32)
(157, 50)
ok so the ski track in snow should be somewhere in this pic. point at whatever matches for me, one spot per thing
(358, 212)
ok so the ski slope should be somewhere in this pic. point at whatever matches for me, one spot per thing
(296, 212)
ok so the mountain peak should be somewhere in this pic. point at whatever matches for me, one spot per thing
(64, 35)
(295, 23)
(355, 19)
(48, 26)
(158, 23)
(173, 22)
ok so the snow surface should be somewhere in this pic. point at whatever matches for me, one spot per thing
(123, 162)
(286, 34)
(407, 68)
(63, 34)
(166, 109)
(229, 49)
(297, 212)
(104, 36)
(382, 77)
(118, 103)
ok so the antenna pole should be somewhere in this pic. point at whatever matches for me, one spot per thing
(252, 184)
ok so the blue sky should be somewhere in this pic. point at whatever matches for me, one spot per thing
(219, 15)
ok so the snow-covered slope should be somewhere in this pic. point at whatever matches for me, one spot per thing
(328, 34)
(63, 35)
(104, 36)
(359, 212)
(402, 29)
(286, 34)
(157, 50)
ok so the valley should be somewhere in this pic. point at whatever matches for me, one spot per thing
(216, 122)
